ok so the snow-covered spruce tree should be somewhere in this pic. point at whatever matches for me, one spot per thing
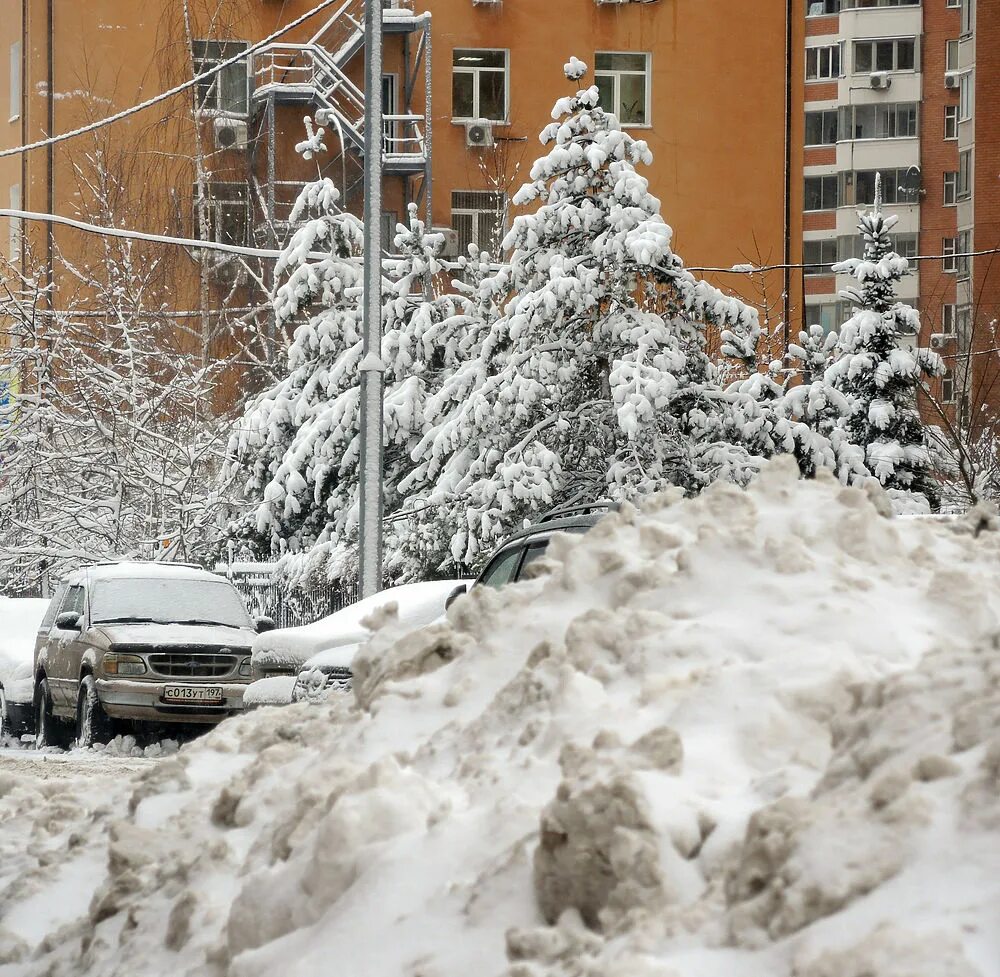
(878, 370)
(297, 447)
(593, 378)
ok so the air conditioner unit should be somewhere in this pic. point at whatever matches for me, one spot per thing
(479, 134)
(230, 133)
(879, 80)
(952, 79)
(940, 339)
(450, 235)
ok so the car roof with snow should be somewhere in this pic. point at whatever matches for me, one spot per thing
(418, 605)
(141, 570)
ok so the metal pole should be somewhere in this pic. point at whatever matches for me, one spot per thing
(371, 364)
(272, 316)
(428, 124)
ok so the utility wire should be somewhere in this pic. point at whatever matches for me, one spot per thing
(163, 96)
(751, 269)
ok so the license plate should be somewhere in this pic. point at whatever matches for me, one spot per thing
(192, 693)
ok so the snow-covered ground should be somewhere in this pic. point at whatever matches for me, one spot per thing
(749, 735)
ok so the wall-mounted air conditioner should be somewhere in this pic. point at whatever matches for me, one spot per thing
(952, 79)
(479, 134)
(879, 80)
(230, 133)
(450, 247)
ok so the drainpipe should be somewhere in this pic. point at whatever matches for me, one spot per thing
(786, 305)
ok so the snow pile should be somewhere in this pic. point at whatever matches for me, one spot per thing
(19, 622)
(753, 734)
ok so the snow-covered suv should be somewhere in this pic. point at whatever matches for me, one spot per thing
(146, 642)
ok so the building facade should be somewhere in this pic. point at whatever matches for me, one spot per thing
(468, 85)
(909, 89)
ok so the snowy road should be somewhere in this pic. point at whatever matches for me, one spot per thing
(33, 765)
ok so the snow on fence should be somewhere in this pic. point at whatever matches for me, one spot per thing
(266, 597)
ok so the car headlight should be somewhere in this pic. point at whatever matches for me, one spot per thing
(118, 664)
(245, 668)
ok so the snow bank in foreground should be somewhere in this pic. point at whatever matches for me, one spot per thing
(749, 735)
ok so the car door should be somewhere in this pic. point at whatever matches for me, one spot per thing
(535, 550)
(64, 652)
(503, 568)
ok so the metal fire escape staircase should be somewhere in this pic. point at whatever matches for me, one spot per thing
(314, 74)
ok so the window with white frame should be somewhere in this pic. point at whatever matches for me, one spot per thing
(822, 8)
(953, 3)
(963, 323)
(821, 127)
(818, 256)
(823, 63)
(871, 4)
(825, 315)
(948, 386)
(15, 80)
(821, 192)
(949, 263)
(964, 185)
(853, 246)
(948, 318)
(226, 92)
(14, 224)
(951, 56)
(479, 84)
(951, 122)
(892, 54)
(950, 188)
(963, 262)
(223, 213)
(899, 186)
(895, 120)
(968, 15)
(965, 96)
(623, 82)
(479, 217)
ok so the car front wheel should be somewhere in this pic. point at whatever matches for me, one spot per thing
(93, 725)
(49, 731)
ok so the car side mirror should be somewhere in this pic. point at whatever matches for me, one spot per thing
(68, 621)
(455, 594)
(265, 624)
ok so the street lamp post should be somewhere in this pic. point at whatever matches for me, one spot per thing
(372, 367)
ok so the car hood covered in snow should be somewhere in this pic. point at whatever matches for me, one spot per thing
(417, 604)
(751, 734)
(177, 635)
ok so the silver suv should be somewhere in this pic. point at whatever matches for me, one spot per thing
(139, 642)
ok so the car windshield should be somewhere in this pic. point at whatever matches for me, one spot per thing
(160, 600)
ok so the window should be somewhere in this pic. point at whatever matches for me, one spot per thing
(822, 8)
(883, 121)
(899, 186)
(948, 319)
(948, 387)
(965, 97)
(823, 62)
(852, 246)
(951, 188)
(968, 15)
(964, 189)
(479, 84)
(14, 224)
(949, 263)
(623, 82)
(953, 3)
(503, 568)
(226, 213)
(53, 609)
(821, 192)
(871, 4)
(823, 315)
(963, 322)
(888, 55)
(480, 217)
(951, 122)
(818, 256)
(74, 601)
(821, 128)
(951, 55)
(15, 80)
(227, 91)
(963, 262)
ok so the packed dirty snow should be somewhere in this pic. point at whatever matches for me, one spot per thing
(756, 734)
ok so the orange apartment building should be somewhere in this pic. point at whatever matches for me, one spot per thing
(468, 84)
(911, 89)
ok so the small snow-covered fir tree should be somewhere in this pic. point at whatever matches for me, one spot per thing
(297, 447)
(878, 370)
(590, 375)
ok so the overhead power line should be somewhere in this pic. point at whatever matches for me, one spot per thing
(176, 90)
(752, 269)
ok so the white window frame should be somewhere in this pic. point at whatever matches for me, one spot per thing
(895, 42)
(949, 248)
(15, 81)
(965, 107)
(968, 17)
(828, 49)
(823, 4)
(15, 224)
(823, 112)
(953, 3)
(216, 205)
(951, 122)
(213, 107)
(496, 208)
(963, 183)
(475, 72)
(949, 316)
(821, 267)
(951, 57)
(948, 387)
(616, 75)
(950, 192)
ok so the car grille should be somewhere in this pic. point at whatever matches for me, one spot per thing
(317, 682)
(193, 663)
(339, 680)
